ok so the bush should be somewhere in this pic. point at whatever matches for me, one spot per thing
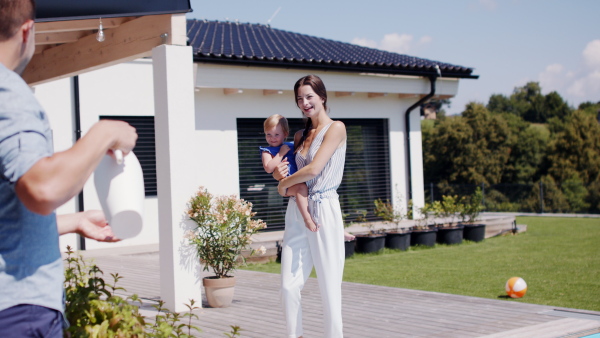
(93, 309)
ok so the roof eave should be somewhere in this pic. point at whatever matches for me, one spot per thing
(356, 68)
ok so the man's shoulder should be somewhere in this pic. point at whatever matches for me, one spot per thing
(15, 95)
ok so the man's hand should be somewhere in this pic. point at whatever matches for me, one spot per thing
(90, 224)
(93, 225)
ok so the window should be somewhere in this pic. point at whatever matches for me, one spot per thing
(145, 149)
(366, 173)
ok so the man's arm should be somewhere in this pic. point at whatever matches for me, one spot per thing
(54, 180)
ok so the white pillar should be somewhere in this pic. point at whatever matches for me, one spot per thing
(174, 127)
(416, 162)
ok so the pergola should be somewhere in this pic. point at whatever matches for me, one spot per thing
(67, 45)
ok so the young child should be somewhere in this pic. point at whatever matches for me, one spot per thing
(276, 131)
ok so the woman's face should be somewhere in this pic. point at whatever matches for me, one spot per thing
(308, 101)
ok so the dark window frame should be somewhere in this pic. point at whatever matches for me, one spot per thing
(145, 148)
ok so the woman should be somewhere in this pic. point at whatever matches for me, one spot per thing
(320, 156)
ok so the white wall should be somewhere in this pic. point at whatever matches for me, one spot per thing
(127, 89)
(56, 98)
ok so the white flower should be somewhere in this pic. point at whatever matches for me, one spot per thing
(262, 250)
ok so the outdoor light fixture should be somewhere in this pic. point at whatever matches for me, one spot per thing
(100, 35)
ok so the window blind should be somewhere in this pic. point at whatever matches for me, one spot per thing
(145, 148)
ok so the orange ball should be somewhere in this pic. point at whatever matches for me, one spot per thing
(516, 287)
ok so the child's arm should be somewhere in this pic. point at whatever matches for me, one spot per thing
(270, 162)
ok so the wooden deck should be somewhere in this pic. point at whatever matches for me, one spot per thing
(369, 311)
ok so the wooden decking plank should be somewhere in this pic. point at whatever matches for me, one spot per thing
(369, 310)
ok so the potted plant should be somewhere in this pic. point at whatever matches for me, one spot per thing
(471, 208)
(349, 244)
(422, 232)
(396, 238)
(224, 225)
(372, 241)
(447, 210)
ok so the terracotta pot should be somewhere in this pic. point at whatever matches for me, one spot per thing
(219, 291)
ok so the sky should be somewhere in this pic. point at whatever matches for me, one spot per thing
(507, 42)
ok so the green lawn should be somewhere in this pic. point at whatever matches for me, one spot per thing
(559, 258)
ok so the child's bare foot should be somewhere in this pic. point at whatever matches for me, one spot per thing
(310, 225)
(348, 236)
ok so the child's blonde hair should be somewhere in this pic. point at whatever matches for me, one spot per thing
(277, 120)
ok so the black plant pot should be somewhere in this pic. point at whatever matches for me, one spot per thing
(397, 240)
(350, 245)
(367, 244)
(474, 232)
(423, 237)
(450, 235)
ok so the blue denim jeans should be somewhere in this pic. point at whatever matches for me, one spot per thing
(27, 320)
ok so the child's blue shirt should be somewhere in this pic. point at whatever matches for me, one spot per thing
(291, 157)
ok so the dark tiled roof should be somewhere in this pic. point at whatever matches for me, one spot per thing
(256, 44)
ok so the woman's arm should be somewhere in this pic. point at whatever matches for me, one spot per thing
(334, 137)
(281, 171)
(270, 162)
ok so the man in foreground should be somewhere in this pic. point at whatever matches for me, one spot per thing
(34, 181)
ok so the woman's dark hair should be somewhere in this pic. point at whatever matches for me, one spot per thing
(14, 13)
(318, 87)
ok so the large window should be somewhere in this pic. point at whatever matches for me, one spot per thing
(366, 174)
(145, 149)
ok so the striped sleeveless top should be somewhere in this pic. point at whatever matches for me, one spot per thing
(325, 184)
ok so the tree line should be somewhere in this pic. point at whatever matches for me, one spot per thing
(523, 142)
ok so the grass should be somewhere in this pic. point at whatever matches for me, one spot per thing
(559, 258)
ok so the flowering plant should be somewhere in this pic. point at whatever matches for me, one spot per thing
(224, 226)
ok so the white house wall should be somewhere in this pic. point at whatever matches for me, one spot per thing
(56, 98)
(127, 89)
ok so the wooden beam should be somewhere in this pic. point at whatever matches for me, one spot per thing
(79, 25)
(230, 91)
(407, 96)
(60, 37)
(342, 94)
(271, 92)
(370, 95)
(131, 40)
(444, 97)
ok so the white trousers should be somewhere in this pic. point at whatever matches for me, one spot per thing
(303, 248)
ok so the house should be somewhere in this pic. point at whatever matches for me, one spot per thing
(241, 74)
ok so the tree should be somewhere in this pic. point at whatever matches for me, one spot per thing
(472, 148)
(529, 103)
(574, 148)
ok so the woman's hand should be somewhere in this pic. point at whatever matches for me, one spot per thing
(282, 170)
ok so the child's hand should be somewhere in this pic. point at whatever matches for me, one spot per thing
(284, 149)
(281, 171)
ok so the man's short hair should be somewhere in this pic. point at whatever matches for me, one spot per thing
(13, 14)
